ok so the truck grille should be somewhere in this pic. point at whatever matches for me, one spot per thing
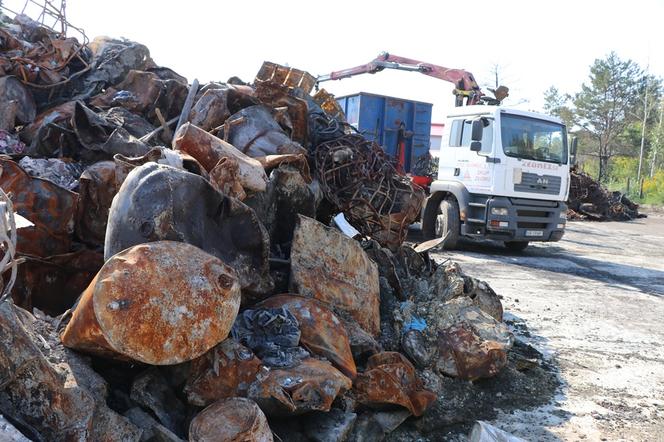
(533, 183)
(533, 219)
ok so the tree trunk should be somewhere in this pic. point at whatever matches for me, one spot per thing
(603, 168)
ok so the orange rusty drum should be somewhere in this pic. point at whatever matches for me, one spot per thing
(160, 303)
(230, 420)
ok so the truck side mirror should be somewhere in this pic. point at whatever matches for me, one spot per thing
(477, 130)
(572, 150)
(476, 146)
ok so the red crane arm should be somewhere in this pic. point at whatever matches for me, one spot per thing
(464, 82)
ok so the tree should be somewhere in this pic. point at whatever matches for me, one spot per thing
(558, 104)
(604, 106)
(657, 137)
(651, 90)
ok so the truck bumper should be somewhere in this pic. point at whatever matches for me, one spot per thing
(515, 219)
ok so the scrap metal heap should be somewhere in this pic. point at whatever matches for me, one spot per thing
(172, 274)
(589, 199)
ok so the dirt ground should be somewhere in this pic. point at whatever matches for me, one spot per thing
(593, 304)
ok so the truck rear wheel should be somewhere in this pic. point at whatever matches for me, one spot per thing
(448, 223)
(516, 246)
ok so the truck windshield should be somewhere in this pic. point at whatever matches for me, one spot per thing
(533, 139)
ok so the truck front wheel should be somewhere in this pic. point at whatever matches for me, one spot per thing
(448, 223)
(516, 246)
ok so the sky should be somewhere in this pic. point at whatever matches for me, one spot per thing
(534, 44)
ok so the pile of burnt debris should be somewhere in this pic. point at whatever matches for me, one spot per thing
(590, 200)
(221, 262)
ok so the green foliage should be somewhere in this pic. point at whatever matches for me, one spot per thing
(605, 104)
(607, 116)
(558, 104)
(653, 189)
(623, 168)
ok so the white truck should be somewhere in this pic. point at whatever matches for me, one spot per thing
(503, 174)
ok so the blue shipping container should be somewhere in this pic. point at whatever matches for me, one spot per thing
(378, 118)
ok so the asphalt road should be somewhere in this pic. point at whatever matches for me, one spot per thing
(594, 304)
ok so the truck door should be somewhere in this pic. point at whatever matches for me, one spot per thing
(475, 169)
(451, 137)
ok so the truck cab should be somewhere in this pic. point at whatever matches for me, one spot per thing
(503, 174)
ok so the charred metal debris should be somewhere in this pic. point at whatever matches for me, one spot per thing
(590, 200)
(170, 257)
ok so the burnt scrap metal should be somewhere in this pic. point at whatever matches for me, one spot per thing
(210, 150)
(310, 386)
(589, 199)
(332, 268)
(234, 419)
(390, 378)
(256, 131)
(225, 371)
(273, 334)
(190, 246)
(321, 332)
(49, 207)
(48, 392)
(146, 304)
(358, 178)
(52, 284)
(159, 202)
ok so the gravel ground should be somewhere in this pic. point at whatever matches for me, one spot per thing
(593, 303)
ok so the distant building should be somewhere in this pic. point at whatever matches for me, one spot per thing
(436, 137)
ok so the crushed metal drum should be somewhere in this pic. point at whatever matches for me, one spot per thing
(159, 202)
(256, 132)
(470, 343)
(50, 207)
(45, 137)
(225, 371)
(390, 378)
(230, 420)
(322, 333)
(143, 93)
(292, 196)
(311, 386)
(328, 266)
(159, 303)
(211, 109)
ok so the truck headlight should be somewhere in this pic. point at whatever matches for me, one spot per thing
(563, 215)
(499, 211)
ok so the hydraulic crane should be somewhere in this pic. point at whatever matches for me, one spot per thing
(466, 89)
